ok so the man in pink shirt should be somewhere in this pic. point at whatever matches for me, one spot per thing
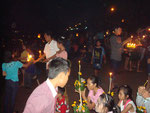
(43, 98)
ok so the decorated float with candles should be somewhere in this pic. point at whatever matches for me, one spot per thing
(79, 86)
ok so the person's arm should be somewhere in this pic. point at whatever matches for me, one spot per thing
(126, 41)
(42, 57)
(92, 57)
(128, 108)
(50, 58)
(4, 73)
(90, 105)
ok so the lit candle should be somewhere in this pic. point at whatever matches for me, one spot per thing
(29, 57)
(79, 66)
(40, 53)
(110, 81)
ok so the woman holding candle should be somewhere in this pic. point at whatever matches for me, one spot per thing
(10, 71)
(94, 92)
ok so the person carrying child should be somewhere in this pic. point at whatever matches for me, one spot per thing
(125, 96)
(62, 104)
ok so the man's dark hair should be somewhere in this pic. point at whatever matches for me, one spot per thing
(57, 66)
(48, 33)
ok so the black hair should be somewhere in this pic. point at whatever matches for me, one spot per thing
(49, 33)
(61, 90)
(127, 91)
(95, 80)
(61, 40)
(108, 102)
(7, 56)
(58, 65)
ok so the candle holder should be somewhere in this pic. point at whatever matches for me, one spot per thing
(80, 86)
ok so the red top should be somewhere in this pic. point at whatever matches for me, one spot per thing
(61, 105)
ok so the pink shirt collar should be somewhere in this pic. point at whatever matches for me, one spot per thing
(51, 87)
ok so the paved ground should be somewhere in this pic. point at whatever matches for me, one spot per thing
(133, 79)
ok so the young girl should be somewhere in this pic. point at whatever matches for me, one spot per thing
(126, 104)
(61, 105)
(105, 104)
(97, 57)
(62, 52)
(94, 92)
(10, 70)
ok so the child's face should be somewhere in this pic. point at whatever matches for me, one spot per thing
(98, 43)
(59, 95)
(121, 95)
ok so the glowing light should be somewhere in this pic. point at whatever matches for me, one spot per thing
(39, 36)
(131, 36)
(110, 74)
(40, 53)
(107, 33)
(112, 9)
(77, 34)
(29, 57)
(131, 45)
(122, 20)
(144, 36)
(148, 29)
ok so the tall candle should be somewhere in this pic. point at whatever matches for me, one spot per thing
(110, 81)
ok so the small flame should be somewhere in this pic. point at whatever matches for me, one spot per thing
(29, 57)
(110, 74)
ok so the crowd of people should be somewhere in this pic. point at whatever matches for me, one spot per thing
(58, 68)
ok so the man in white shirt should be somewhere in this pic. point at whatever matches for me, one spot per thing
(50, 48)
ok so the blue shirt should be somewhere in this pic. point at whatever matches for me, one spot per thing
(11, 70)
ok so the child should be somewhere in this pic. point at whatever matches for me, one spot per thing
(97, 57)
(143, 98)
(126, 104)
(94, 92)
(105, 104)
(10, 70)
(62, 52)
(61, 105)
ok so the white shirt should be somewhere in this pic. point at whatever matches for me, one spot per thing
(50, 85)
(131, 102)
(50, 49)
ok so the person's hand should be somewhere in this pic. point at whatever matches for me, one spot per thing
(83, 93)
(145, 94)
(141, 89)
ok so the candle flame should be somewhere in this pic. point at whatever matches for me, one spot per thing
(110, 74)
(79, 61)
(29, 57)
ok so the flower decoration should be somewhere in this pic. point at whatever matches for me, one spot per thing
(80, 108)
(141, 109)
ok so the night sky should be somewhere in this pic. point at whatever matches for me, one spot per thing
(38, 15)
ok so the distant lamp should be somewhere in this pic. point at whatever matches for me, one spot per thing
(143, 36)
(131, 36)
(149, 29)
